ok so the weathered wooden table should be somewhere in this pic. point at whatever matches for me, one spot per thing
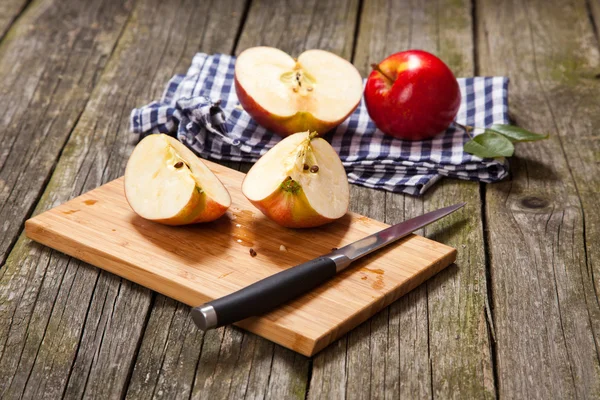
(518, 316)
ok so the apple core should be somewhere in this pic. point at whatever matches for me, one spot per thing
(300, 182)
(314, 92)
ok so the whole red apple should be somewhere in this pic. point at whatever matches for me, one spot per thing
(412, 95)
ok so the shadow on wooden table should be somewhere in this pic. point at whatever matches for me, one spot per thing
(533, 168)
(187, 243)
(191, 243)
(446, 233)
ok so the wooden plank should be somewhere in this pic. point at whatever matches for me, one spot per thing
(233, 363)
(594, 15)
(433, 342)
(168, 356)
(49, 63)
(65, 328)
(544, 223)
(262, 369)
(9, 12)
(295, 26)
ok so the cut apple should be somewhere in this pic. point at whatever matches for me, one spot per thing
(315, 92)
(167, 183)
(299, 183)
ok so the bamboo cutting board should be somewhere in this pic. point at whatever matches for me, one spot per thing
(198, 263)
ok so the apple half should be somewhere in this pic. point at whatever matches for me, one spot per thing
(167, 183)
(315, 92)
(299, 183)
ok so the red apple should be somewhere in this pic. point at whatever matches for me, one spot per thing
(412, 95)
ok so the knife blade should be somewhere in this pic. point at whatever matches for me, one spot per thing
(268, 293)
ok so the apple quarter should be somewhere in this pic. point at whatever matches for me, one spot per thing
(167, 183)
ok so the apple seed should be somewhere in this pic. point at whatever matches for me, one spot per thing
(178, 164)
(252, 252)
(306, 167)
(314, 169)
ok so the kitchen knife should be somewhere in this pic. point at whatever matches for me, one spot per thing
(286, 285)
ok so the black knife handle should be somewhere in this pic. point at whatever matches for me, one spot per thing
(264, 295)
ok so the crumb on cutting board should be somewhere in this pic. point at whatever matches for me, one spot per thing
(282, 248)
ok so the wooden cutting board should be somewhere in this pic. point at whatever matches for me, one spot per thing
(198, 263)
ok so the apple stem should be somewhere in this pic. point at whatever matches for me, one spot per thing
(467, 128)
(378, 69)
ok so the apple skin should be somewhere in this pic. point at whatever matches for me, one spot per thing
(199, 208)
(290, 210)
(421, 102)
(299, 122)
(212, 211)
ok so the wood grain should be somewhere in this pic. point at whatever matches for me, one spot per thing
(65, 327)
(434, 341)
(594, 14)
(295, 26)
(62, 322)
(262, 369)
(43, 96)
(9, 12)
(199, 263)
(544, 222)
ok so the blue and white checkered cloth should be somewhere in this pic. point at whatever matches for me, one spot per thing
(220, 129)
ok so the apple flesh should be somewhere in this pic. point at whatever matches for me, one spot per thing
(299, 183)
(412, 95)
(315, 92)
(167, 183)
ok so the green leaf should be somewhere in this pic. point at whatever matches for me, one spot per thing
(516, 134)
(490, 145)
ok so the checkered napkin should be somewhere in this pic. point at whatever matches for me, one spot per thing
(202, 108)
